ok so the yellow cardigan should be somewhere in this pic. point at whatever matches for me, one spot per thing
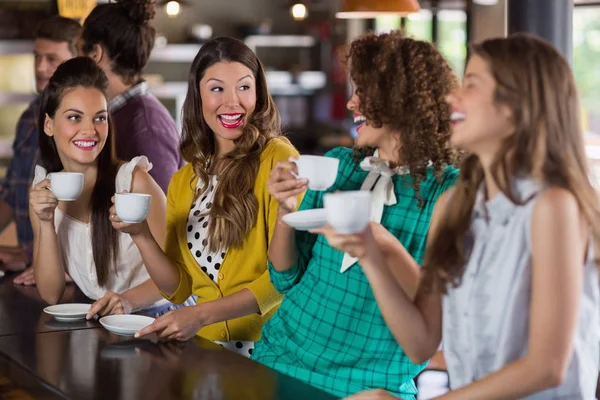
(244, 267)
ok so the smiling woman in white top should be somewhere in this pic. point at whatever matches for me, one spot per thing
(77, 236)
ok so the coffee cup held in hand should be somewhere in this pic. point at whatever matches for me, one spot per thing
(66, 186)
(318, 170)
(132, 207)
(348, 212)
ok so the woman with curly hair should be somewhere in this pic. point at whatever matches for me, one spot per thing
(329, 331)
(510, 277)
(220, 216)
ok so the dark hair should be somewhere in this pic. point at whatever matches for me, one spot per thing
(403, 83)
(59, 29)
(124, 32)
(234, 209)
(74, 73)
(536, 83)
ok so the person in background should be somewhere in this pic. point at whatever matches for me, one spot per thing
(119, 38)
(77, 236)
(329, 331)
(220, 216)
(510, 279)
(55, 42)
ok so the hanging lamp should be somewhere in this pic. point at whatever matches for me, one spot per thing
(358, 9)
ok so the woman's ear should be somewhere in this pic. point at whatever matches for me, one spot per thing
(49, 126)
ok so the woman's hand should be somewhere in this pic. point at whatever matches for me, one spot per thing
(109, 304)
(284, 186)
(375, 237)
(180, 324)
(42, 201)
(125, 227)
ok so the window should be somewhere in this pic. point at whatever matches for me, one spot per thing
(586, 60)
(451, 32)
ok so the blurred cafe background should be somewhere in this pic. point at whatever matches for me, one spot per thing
(300, 43)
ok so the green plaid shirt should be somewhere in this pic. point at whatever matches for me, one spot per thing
(329, 331)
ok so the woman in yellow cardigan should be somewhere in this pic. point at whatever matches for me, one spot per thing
(220, 216)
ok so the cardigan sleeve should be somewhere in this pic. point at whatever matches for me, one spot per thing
(173, 248)
(266, 294)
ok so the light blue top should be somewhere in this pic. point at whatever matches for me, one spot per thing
(486, 318)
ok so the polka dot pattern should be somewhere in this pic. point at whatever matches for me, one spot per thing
(209, 263)
(240, 347)
(197, 234)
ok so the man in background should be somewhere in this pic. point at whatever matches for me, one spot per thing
(55, 42)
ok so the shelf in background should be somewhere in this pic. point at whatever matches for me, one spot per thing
(8, 98)
(16, 46)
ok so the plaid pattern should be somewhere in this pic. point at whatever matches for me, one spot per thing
(329, 331)
(20, 173)
(121, 99)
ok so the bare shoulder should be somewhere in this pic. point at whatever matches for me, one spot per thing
(557, 217)
(556, 203)
(142, 182)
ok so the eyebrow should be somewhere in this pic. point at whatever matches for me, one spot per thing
(472, 75)
(49, 54)
(218, 80)
(81, 112)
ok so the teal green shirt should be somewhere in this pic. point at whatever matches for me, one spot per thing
(329, 331)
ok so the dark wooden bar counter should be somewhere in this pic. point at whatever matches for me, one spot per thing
(47, 359)
(21, 309)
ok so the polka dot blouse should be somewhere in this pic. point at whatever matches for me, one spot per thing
(210, 263)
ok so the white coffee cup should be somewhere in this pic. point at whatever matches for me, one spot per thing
(318, 170)
(132, 207)
(348, 212)
(66, 186)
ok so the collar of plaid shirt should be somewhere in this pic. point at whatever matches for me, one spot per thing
(121, 99)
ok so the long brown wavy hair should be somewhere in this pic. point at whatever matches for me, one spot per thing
(402, 83)
(535, 82)
(234, 208)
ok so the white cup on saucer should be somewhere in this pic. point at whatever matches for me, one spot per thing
(318, 170)
(132, 207)
(348, 212)
(66, 186)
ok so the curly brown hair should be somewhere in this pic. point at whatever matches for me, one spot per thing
(402, 84)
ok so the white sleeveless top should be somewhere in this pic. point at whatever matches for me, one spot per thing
(75, 242)
(486, 318)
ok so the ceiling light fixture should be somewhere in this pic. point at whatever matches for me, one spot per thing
(359, 9)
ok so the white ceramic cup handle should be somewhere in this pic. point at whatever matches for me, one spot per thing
(294, 161)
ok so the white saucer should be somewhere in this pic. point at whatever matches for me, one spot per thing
(68, 312)
(125, 325)
(306, 219)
